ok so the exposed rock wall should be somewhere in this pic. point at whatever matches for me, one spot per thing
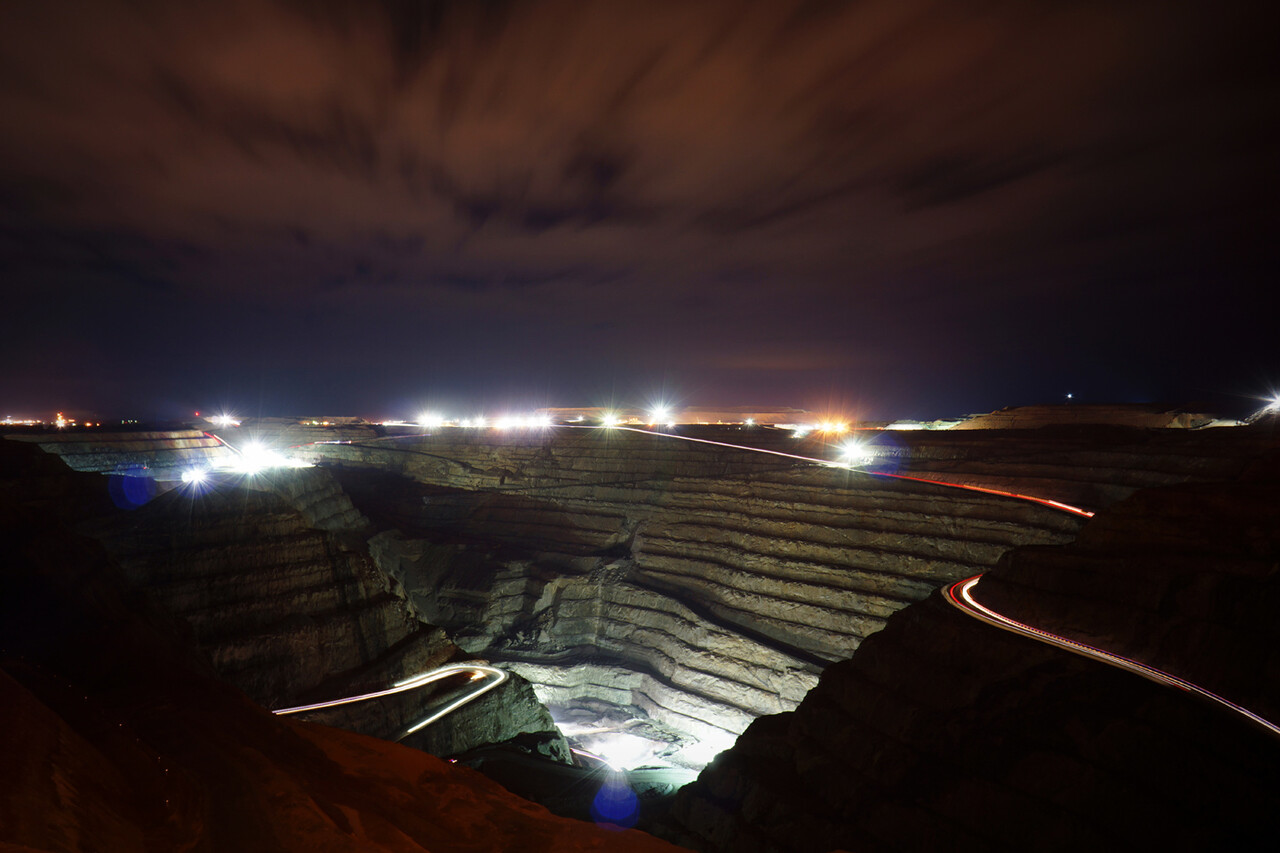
(278, 605)
(318, 498)
(274, 578)
(944, 733)
(281, 434)
(158, 455)
(1184, 578)
(700, 585)
(116, 736)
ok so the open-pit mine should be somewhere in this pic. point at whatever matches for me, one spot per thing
(729, 602)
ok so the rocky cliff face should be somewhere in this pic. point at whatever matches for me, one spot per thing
(1184, 578)
(685, 587)
(117, 736)
(944, 733)
(156, 455)
(273, 579)
(676, 593)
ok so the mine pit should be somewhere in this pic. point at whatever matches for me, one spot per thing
(650, 600)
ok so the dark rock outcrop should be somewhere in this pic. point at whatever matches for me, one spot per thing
(1090, 466)
(117, 736)
(272, 579)
(944, 733)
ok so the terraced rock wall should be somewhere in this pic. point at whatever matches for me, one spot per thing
(942, 732)
(274, 579)
(698, 585)
(157, 455)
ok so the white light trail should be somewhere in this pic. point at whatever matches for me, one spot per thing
(960, 594)
(826, 462)
(492, 675)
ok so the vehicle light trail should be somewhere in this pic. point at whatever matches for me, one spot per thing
(1052, 504)
(1074, 510)
(960, 594)
(827, 462)
(492, 678)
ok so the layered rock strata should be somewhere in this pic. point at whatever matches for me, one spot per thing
(160, 455)
(116, 735)
(1184, 578)
(282, 434)
(698, 585)
(942, 732)
(273, 577)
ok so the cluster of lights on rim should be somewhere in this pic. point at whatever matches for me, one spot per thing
(254, 457)
(851, 453)
(660, 416)
(251, 459)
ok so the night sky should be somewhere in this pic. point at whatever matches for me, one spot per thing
(889, 207)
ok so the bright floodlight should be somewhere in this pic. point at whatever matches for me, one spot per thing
(660, 415)
(225, 420)
(610, 420)
(853, 453)
(255, 457)
(430, 420)
(623, 751)
(749, 422)
(194, 476)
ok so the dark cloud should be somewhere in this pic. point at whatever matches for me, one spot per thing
(770, 197)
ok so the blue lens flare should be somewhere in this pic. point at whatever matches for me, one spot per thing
(130, 487)
(615, 805)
